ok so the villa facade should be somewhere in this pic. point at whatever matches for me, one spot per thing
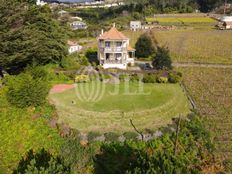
(114, 50)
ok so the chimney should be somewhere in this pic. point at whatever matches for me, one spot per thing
(113, 24)
(102, 31)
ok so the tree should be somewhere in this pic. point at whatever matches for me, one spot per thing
(162, 59)
(41, 162)
(27, 89)
(144, 46)
(28, 34)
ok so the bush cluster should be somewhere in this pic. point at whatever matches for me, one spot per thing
(174, 77)
(171, 77)
(28, 89)
(82, 78)
(130, 77)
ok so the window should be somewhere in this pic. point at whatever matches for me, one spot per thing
(118, 44)
(118, 55)
(107, 55)
(107, 44)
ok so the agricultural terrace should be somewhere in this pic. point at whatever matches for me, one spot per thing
(211, 89)
(192, 45)
(153, 108)
(181, 20)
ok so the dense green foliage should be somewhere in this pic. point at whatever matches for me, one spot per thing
(28, 89)
(28, 34)
(41, 162)
(78, 157)
(162, 59)
(24, 129)
(185, 152)
(144, 46)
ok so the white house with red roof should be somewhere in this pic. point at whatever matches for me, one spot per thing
(73, 46)
(114, 50)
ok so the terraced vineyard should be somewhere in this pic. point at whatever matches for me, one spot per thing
(198, 46)
(211, 89)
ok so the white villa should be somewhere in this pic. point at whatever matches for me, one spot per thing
(114, 50)
(135, 25)
(73, 46)
(41, 3)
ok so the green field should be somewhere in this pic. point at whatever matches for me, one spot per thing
(181, 20)
(113, 112)
(198, 46)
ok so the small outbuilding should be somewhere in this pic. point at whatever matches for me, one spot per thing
(227, 25)
(135, 25)
(73, 46)
(78, 25)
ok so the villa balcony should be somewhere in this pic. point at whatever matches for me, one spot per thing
(113, 49)
(114, 61)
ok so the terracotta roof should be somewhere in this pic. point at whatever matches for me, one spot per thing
(72, 43)
(129, 48)
(228, 23)
(113, 34)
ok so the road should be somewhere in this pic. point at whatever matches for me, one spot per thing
(200, 65)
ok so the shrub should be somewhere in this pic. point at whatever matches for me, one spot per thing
(162, 59)
(105, 76)
(58, 77)
(111, 136)
(130, 135)
(173, 78)
(70, 62)
(148, 78)
(41, 162)
(134, 78)
(38, 72)
(93, 135)
(91, 55)
(162, 80)
(122, 77)
(25, 91)
(82, 78)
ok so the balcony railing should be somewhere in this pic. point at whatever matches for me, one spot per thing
(113, 49)
(114, 61)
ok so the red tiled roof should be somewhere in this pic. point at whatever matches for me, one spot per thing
(228, 23)
(72, 43)
(113, 34)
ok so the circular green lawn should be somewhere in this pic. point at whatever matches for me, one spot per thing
(108, 107)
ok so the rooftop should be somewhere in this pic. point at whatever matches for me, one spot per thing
(113, 34)
(72, 43)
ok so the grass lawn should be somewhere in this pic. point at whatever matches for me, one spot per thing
(113, 112)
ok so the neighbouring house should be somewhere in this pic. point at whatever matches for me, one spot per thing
(114, 50)
(227, 25)
(76, 18)
(78, 25)
(73, 46)
(135, 25)
(226, 19)
(41, 3)
(62, 12)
